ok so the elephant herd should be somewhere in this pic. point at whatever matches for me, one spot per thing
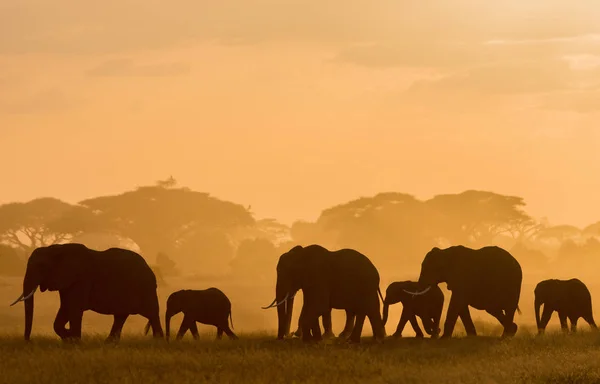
(120, 283)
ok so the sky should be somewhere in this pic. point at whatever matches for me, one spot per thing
(294, 106)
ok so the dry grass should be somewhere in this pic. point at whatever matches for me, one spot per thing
(258, 358)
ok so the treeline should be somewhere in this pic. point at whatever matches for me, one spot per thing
(180, 231)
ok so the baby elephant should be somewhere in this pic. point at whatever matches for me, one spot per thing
(208, 306)
(428, 306)
(570, 298)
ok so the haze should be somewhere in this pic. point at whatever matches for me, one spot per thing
(294, 106)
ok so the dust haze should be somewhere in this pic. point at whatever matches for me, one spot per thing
(380, 126)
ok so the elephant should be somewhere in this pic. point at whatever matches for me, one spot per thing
(427, 306)
(328, 327)
(570, 298)
(487, 278)
(342, 279)
(207, 306)
(115, 282)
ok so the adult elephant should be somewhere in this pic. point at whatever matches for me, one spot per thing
(114, 282)
(488, 278)
(570, 298)
(427, 306)
(342, 279)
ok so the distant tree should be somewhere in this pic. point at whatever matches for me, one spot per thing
(529, 256)
(11, 262)
(475, 218)
(166, 265)
(163, 218)
(592, 229)
(559, 233)
(582, 255)
(206, 252)
(41, 222)
(392, 229)
(255, 257)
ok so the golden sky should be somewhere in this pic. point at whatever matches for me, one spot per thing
(293, 106)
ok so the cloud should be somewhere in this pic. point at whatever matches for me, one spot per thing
(518, 78)
(51, 100)
(125, 67)
(583, 102)
(70, 26)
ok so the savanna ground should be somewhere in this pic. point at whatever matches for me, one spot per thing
(258, 358)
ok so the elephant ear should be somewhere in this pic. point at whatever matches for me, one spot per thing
(68, 264)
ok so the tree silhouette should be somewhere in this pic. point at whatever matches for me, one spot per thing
(475, 218)
(167, 219)
(11, 263)
(256, 258)
(41, 222)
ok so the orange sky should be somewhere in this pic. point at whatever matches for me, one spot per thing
(293, 106)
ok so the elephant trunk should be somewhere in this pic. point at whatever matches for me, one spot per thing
(386, 307)
(30, 284)
(289, 308)
(284, 318)
(29, 287)
(537, 305)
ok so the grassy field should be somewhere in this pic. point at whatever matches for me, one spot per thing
(258, 358)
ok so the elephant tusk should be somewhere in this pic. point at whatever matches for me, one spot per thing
(31, 294)
(418, 293)
(283, 301)
(270, 305)
(21, 298)
(293, 295)
(273, 304)
(16, 301)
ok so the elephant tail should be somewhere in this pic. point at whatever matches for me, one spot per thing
(519, 310)
(231, 319)
(147, 328)
(380, 295)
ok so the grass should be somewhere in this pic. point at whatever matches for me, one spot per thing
(258, 358)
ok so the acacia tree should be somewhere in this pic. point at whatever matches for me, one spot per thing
(475, 218)
(41, 222)
(164, 218)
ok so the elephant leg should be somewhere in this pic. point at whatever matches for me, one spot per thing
(157, 331)
(546, 315)
(510, 328)
(573, 320)
(225, 328)
(401, 324)
(563, 322)
(305, 324)
(117, 327)
(454, 308)
(316, 330)
(185, 325)
(377, 325)
(435, 332)
(358, 326)
(465, 317)
(415, 326)
(60, 322)
(590, 320)
(350, 317)
(75, 319)
(193, 327)
(327, 326)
